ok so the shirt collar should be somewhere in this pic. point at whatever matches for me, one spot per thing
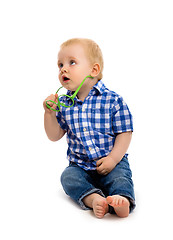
(99, 86)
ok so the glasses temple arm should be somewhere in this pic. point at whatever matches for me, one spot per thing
(76, 92)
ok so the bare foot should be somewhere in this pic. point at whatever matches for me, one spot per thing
(120, 205)
(100, 206)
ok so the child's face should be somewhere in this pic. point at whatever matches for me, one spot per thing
(73, 65)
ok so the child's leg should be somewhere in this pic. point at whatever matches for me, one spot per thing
(97, 203)
(79, 185)
(119, 187)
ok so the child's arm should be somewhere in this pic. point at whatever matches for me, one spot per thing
(52, 128)
(106, 164)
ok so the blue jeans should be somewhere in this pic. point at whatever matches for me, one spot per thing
(78, 183)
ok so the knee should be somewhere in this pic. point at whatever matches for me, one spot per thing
(65, 177)
(69, 178)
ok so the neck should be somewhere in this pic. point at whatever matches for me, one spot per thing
(85, 89)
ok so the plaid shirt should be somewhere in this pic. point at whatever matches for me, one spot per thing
(93, 125)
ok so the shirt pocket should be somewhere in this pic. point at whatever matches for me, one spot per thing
(100, 119)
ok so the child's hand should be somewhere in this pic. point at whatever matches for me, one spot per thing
(105, 165)
(52, 105)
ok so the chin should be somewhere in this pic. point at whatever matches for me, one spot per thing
(68, 87)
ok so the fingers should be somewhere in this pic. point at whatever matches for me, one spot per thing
(51, 101)
(100, 167)
(99, 162)
(101, 170)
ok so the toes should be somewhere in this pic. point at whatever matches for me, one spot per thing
(109, 200)
(112, 201)
(116, 201)
(100, 208)
(120, 205)
(99, 213)
(119, 202)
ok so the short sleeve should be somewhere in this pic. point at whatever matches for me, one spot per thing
(61, 121)
(122, 118)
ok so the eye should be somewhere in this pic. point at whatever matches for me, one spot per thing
(60, 65)
(72, 62)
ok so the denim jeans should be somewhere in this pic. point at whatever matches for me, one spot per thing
(78, 183)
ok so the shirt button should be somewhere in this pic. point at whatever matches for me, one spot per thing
(84, 129)
(90, 148)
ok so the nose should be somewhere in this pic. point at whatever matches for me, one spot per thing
(64, 70)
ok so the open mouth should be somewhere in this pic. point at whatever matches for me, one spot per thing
(65, 79)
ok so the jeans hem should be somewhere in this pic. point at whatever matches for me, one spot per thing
(81, 203)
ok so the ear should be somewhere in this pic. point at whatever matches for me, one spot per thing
(95, 70)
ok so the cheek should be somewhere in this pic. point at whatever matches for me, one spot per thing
(83, 70)
(59, 77)
(76, 72)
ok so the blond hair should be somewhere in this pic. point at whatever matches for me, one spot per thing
(92, 50)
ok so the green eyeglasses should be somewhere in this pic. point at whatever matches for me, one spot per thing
(70, 97)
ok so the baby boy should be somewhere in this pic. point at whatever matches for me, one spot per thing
(98, 128)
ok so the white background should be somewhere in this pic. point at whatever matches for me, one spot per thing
(136, 38)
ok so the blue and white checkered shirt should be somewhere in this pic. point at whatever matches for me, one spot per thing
(93, 125)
